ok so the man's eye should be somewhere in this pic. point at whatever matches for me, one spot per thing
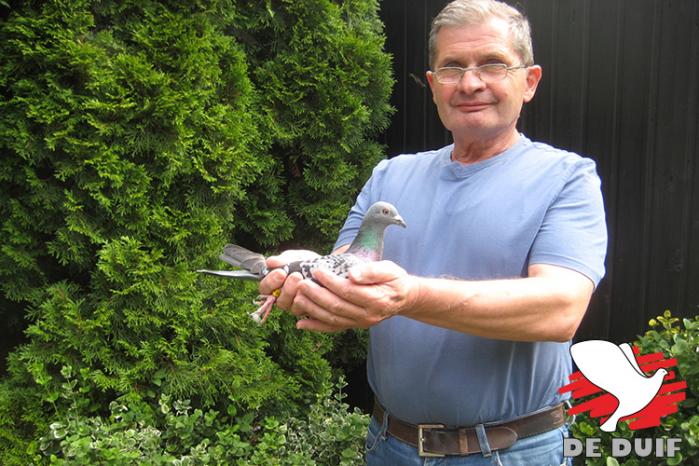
(493, 66)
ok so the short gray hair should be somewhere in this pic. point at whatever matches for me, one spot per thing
(459, 13)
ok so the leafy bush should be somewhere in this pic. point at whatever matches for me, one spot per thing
(136, 138)
(678, 340)
(179, 434)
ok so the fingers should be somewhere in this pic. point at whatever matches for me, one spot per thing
(273, 262)
(367, 284)
(278, 280)
(326, 310)
(331, 303)
(273, 281)
(340, 287)
(379, 290)
(317, 318)
(289, 291)
(316, 326)
(375, 272)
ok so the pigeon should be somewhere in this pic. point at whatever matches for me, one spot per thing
(615, 369)
(367, 246)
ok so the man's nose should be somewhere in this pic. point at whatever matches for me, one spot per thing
(470, 82)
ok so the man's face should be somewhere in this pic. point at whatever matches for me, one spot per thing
(472, 109)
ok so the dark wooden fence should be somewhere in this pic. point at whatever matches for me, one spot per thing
(621, 85)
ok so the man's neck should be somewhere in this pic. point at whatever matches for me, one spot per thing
(472, 151)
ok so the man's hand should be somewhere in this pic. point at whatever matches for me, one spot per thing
(277, 279)
(373, 292)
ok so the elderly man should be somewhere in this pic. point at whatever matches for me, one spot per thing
(472, 311)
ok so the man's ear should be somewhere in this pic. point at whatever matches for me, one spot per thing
(534, 73)
(430, 80)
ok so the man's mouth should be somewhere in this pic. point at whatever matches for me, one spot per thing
(472, 106)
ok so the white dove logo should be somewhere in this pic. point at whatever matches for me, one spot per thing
(615, 369)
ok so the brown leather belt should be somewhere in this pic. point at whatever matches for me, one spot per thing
(439, 440)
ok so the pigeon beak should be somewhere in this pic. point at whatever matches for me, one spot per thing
(398, 220)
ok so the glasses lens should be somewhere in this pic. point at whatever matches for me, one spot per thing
(492, 73)
(449, 75)
(487, 73)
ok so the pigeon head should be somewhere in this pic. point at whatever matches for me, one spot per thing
(368, 244)
(383, 214)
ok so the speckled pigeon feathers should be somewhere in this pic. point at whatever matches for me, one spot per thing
(339, 264)
(367, 246)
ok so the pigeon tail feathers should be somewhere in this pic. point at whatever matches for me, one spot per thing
(238, 256)
(241, 274)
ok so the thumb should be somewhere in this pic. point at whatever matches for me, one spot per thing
(375, 272)
(273, 262)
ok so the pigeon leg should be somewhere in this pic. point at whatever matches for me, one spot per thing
(261, 313)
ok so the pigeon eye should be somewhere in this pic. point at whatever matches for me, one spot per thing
(385, 211)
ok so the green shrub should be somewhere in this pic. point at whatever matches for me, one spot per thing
(136, 138)
(678, 340)
(179, 434)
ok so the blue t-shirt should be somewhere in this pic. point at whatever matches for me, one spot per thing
(532, 204)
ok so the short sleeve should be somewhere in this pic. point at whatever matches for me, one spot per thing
(573, 233)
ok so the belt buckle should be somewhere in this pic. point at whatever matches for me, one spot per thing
(420, 449)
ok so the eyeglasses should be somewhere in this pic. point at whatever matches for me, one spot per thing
(490, 73)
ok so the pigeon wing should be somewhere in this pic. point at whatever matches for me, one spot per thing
(339, 264)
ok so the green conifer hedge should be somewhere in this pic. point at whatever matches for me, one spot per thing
(136, 138)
